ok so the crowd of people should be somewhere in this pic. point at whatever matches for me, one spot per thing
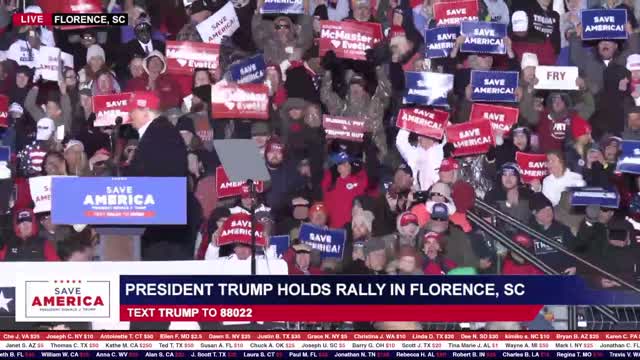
(401, 197)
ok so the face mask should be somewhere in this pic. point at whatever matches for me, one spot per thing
(45, 129)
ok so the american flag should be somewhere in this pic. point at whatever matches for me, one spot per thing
(7, 302)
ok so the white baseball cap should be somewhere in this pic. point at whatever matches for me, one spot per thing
(529, 59)
(519, 21)
(633, 62)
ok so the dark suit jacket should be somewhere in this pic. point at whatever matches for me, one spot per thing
(161, 152)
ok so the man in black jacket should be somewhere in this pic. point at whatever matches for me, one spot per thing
(160, 153)
(141, 46)
(545, 223)
(161, 150)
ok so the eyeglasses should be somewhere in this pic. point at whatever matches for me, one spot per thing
(439, 219)
(282, 26)
(88, 37)
(436, 194)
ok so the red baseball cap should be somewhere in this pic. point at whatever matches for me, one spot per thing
(408, 218)
(580, 127)
(143, 99)
(449, 165)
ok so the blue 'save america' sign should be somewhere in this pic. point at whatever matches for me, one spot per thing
(629, 161)
(483, 37)
(494, 86)
(427, 88)
(604, 24)
(330, 242)
(440, 41)
(119, 201)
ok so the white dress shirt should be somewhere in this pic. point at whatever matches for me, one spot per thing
(143, 129)
(148, 47)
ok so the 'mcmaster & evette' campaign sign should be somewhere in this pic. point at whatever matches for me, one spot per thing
(119, 201)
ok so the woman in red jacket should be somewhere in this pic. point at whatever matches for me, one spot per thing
(340, 187)
(158, 81)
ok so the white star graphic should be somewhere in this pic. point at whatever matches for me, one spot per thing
(4, 302)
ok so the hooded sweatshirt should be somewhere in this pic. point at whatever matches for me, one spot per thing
(544, 25)
(553, 128)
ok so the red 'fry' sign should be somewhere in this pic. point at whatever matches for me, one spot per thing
(344, 128)
(470, 138)
(532, 166)
(349, 39)
(502, 117)
(426, 122)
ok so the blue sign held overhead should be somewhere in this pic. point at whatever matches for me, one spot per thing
(483, 37)
(249, 70)
(5, 153)
(330, 242)
(282, 7)
(494, 86)
(595, 196)
(440, 40)
(629, 160)
(427, 88)
(119, 201)
(599, 24)
(281, 242)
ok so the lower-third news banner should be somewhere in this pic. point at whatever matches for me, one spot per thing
(215, 298)
(353, 298)
(319, 345)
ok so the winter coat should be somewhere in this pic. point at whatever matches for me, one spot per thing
(563, 236)
(544, 25)
(37, 113)
(459, 249)
(424, 163)
(372, 112)
(285, 180)
(603, 81)
(275, 52)
(339, 198)
(35, 248)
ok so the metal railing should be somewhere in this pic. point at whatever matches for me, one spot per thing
(604, 314)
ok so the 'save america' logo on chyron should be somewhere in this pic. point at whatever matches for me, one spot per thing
(64, 299)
